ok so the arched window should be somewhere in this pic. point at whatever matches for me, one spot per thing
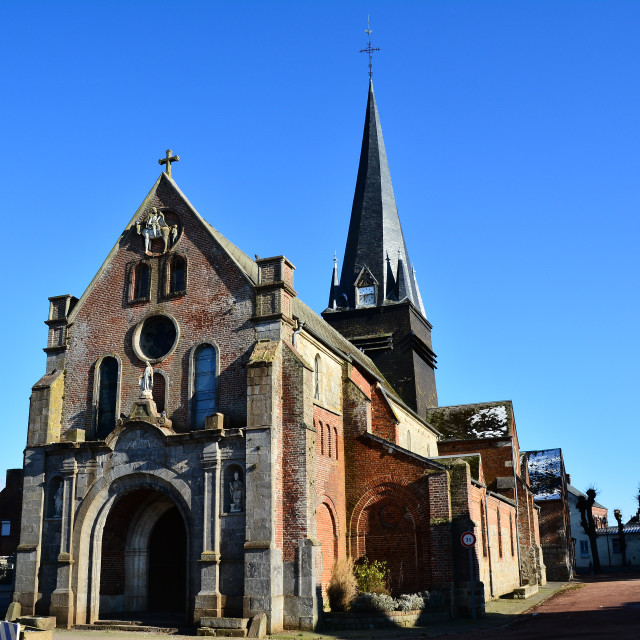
(335, 439)
(176, 275)
(204, 384)
(329, 448)
(321, 431)
(107, 396)
(140, 282)
(317, 370)
(409, 440)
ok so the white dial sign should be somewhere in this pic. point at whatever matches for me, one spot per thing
(468, 539)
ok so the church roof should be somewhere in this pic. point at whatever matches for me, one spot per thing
(374, 230)
(473, 421)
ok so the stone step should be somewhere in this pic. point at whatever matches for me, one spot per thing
(224, 627)
(222, 633)
(108, 622)
(224, 623)
(125, 626)
(523, 592)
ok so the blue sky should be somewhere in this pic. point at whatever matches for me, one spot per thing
(512, 133)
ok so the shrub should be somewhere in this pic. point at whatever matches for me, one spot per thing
(343, 587)
(372, 577)
(411, 602)
(374, 602)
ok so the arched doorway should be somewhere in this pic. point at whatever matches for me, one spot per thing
(328, 537)
(143, 564)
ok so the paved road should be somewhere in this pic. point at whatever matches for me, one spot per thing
(607, 607)
(602, 607)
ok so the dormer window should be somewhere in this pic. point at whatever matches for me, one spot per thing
(366, 287)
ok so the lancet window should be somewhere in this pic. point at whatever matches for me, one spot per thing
(204, 384)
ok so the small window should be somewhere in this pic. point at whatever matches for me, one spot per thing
(140, 282)
(316, 378)
(499, 532)
(5, 528)
(335, 439)
(176, 275)
(329, 449)
(204, 384)
(321, 429)
(107, 396)
(615, 543)
(584, 549)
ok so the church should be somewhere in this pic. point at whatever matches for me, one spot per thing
(204, 443)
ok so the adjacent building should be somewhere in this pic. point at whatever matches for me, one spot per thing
(551, 493)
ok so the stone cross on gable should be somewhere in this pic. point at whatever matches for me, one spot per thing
(168, 160)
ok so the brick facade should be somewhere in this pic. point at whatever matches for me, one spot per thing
(10, 512)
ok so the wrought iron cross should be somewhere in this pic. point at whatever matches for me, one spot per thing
(168, 160)
(369, 48)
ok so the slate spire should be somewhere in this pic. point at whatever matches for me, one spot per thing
(375, 231)
(336, 297)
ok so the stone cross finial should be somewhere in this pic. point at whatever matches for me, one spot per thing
(168, 160)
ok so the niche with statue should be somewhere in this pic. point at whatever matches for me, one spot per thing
(234, 489)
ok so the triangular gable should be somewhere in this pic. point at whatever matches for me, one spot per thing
(245, 265)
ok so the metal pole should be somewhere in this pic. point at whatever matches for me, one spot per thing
(473, 590)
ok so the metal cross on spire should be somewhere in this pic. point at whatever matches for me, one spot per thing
(168, 160)
(369, 48)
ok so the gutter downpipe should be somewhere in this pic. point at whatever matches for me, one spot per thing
(296, 332)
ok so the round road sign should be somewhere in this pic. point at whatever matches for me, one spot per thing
(468, 539)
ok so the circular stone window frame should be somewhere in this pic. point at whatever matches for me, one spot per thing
(138, 330)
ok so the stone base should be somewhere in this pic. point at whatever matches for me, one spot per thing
(44, 623)
(524, 592)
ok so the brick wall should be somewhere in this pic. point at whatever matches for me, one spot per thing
(11, 510)
(216, 307)
(409, 374)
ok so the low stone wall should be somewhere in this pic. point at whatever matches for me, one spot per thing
(390, 619)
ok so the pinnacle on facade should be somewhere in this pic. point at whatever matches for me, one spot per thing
(375, 232)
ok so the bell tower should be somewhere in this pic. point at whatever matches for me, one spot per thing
(376, 303)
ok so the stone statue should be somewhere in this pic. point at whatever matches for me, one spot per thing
(146, 382)
(155, 226)
(237, 492)
(57, 502)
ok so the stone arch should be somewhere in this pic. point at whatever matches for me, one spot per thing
(92, 516)
(388, 524)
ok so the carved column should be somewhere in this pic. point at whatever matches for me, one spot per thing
(62, 599)
(209, 600)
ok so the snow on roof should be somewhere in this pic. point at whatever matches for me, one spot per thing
(612, 531)
(473, 421)
(545, 473)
